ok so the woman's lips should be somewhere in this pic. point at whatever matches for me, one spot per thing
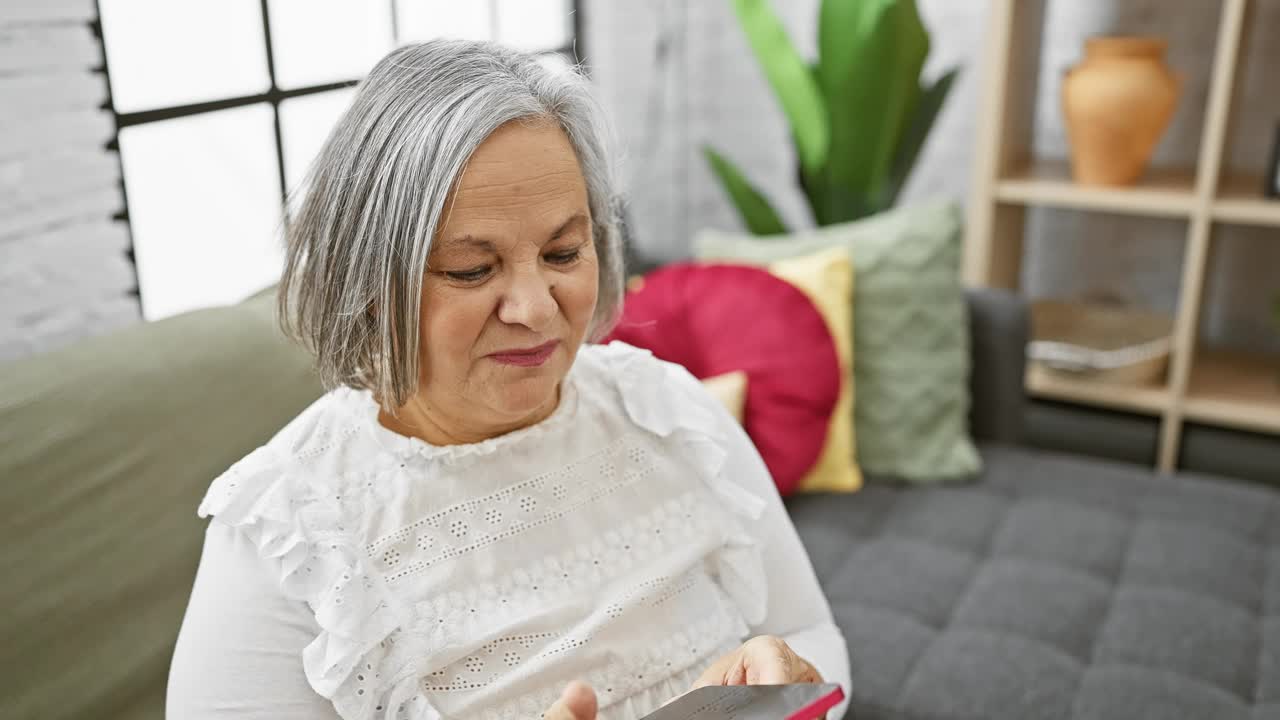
(526, 357)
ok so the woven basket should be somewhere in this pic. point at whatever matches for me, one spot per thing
(1104, 342)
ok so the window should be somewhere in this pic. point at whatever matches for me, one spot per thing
(221, 105)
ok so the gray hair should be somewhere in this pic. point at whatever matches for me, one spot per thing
(357, 248)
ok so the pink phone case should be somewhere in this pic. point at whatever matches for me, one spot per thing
(752, 702)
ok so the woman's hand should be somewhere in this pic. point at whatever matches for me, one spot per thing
(762, 660)
(577, 702)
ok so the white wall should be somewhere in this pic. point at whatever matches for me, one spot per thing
(63, 269)
(712, 90)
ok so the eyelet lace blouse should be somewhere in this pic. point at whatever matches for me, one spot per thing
(628, 540)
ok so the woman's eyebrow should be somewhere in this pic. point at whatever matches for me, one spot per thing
(472, 242)
(575, 219)
(468, 241)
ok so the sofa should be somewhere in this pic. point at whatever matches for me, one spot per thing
(1051, 586)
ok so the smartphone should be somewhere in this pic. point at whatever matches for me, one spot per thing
(801, 701)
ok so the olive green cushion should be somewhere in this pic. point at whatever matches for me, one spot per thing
(910, 334)
(106, 448)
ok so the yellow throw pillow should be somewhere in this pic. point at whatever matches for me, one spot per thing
(826, 277)
(731, 390)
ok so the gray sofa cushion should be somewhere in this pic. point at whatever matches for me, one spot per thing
(1054, 587)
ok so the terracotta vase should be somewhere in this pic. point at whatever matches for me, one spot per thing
(1118, 102)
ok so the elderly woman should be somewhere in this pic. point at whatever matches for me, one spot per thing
(485, 517)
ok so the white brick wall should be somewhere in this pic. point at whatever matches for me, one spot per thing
(64, 274)
(715, 92)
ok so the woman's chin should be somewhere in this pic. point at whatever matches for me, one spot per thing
(521, 398)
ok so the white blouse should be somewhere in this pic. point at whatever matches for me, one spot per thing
(628, 540)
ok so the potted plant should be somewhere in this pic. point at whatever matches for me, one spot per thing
(858, 116)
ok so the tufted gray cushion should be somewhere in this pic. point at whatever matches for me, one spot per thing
(1054, 587)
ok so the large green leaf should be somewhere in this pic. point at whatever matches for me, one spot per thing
(832, 203)
(931, 101)
(842, 204)
(757, 214)
(791, 79)
(870, 53)
(813, 186)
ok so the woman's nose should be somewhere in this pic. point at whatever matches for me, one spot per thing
(528, 301)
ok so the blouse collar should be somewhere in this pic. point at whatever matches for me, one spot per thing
(406, 446)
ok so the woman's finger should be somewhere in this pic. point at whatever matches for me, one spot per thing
(770, 670)
(577, 702)
(717, 672)
(770, 661)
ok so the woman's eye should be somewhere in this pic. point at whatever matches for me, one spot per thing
(467, 276)
(563, 258)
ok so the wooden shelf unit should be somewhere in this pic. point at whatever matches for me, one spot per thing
(1239, 200)
(1220, 389)
(1235, 390)
(1142, 399)
(1163, 193)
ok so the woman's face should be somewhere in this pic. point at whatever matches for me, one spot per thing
(511, 282)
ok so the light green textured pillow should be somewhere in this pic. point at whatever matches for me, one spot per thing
(910, 333)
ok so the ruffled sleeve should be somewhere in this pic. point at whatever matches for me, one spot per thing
(297, 526)
(667, 400)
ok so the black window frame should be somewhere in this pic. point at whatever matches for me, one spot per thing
(273, 96)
